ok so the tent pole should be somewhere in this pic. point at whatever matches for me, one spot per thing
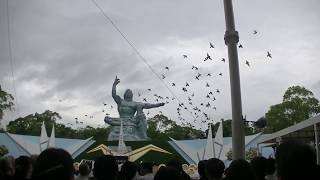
(316, 138)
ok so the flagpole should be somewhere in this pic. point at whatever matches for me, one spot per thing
(231, 40)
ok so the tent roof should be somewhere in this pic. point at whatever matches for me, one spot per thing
(188, 148)
(303, 130)
(26, 145)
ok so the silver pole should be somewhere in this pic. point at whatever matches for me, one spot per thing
(316, 138)
(231, 40)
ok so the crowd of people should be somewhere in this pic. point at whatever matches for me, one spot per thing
(293, 161)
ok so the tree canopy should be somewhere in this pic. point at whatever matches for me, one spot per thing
(161, 127)
(298, 104)
(3, 150)
(6, 102)
(227, 128)
(31, 125)
(249, 154)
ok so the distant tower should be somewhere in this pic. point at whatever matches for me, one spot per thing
(122, 149)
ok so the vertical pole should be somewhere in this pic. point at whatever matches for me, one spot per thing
(231, 40)
(316, 139)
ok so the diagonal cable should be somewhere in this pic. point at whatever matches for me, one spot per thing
(137, 51)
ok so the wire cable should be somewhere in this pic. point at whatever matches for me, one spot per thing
(137, 51)
(11, 58)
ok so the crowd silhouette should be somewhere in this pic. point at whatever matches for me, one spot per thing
(294, 160)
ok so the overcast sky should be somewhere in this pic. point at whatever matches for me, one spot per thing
(66, 54)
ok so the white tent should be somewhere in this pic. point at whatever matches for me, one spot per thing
(307, 130)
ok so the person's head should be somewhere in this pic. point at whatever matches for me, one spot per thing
(33, 159)
(214, 168)
(128, 170)
(84, 169)
(175, 163)
(128, 95)
(53, 163)
(239, 169)
(105, 167)
(270, 166)
(7, 167)
(168, 173)
(23, 167)
(295, 160)
(145, 168)
(76, 168)
(259, 167)
(202, 168)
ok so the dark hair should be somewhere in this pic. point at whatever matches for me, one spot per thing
(270, 166)
(105, 167)
(23, 167)
(175, 163)
(7, 167)
(84, 169)
(214, 168)
(202, 168)
(146, 167)
(53, 164)
(167, 173)
(259, 166)
(239, 169)
(128, 171)
(296, 160)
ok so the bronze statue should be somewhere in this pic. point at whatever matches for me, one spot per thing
(132, 116)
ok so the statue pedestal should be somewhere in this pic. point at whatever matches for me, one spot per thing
(132, 129)
(128, 134)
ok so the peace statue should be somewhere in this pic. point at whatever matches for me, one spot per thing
(131, 114)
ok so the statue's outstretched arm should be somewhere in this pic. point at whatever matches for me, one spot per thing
(116, 98)
(149, 106)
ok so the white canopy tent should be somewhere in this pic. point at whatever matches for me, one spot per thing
(307, 131)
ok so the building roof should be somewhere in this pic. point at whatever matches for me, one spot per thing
(303, 130)
(188, 148)
(27, 145)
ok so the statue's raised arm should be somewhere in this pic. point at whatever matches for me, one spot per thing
(149, 105)
(116, 98)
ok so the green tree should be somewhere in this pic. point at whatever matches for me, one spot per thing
(3, 150)
(161, 127)
(298, 104)
(96, 133)
(31, 125)
(249, 154)
(184, 132)
(6, 102)
(227, 128)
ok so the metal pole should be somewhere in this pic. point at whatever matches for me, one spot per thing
(231, 40)
(316, 138)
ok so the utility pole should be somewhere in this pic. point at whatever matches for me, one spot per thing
(231, 39)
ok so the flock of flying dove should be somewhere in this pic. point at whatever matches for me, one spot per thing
(198, 111)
